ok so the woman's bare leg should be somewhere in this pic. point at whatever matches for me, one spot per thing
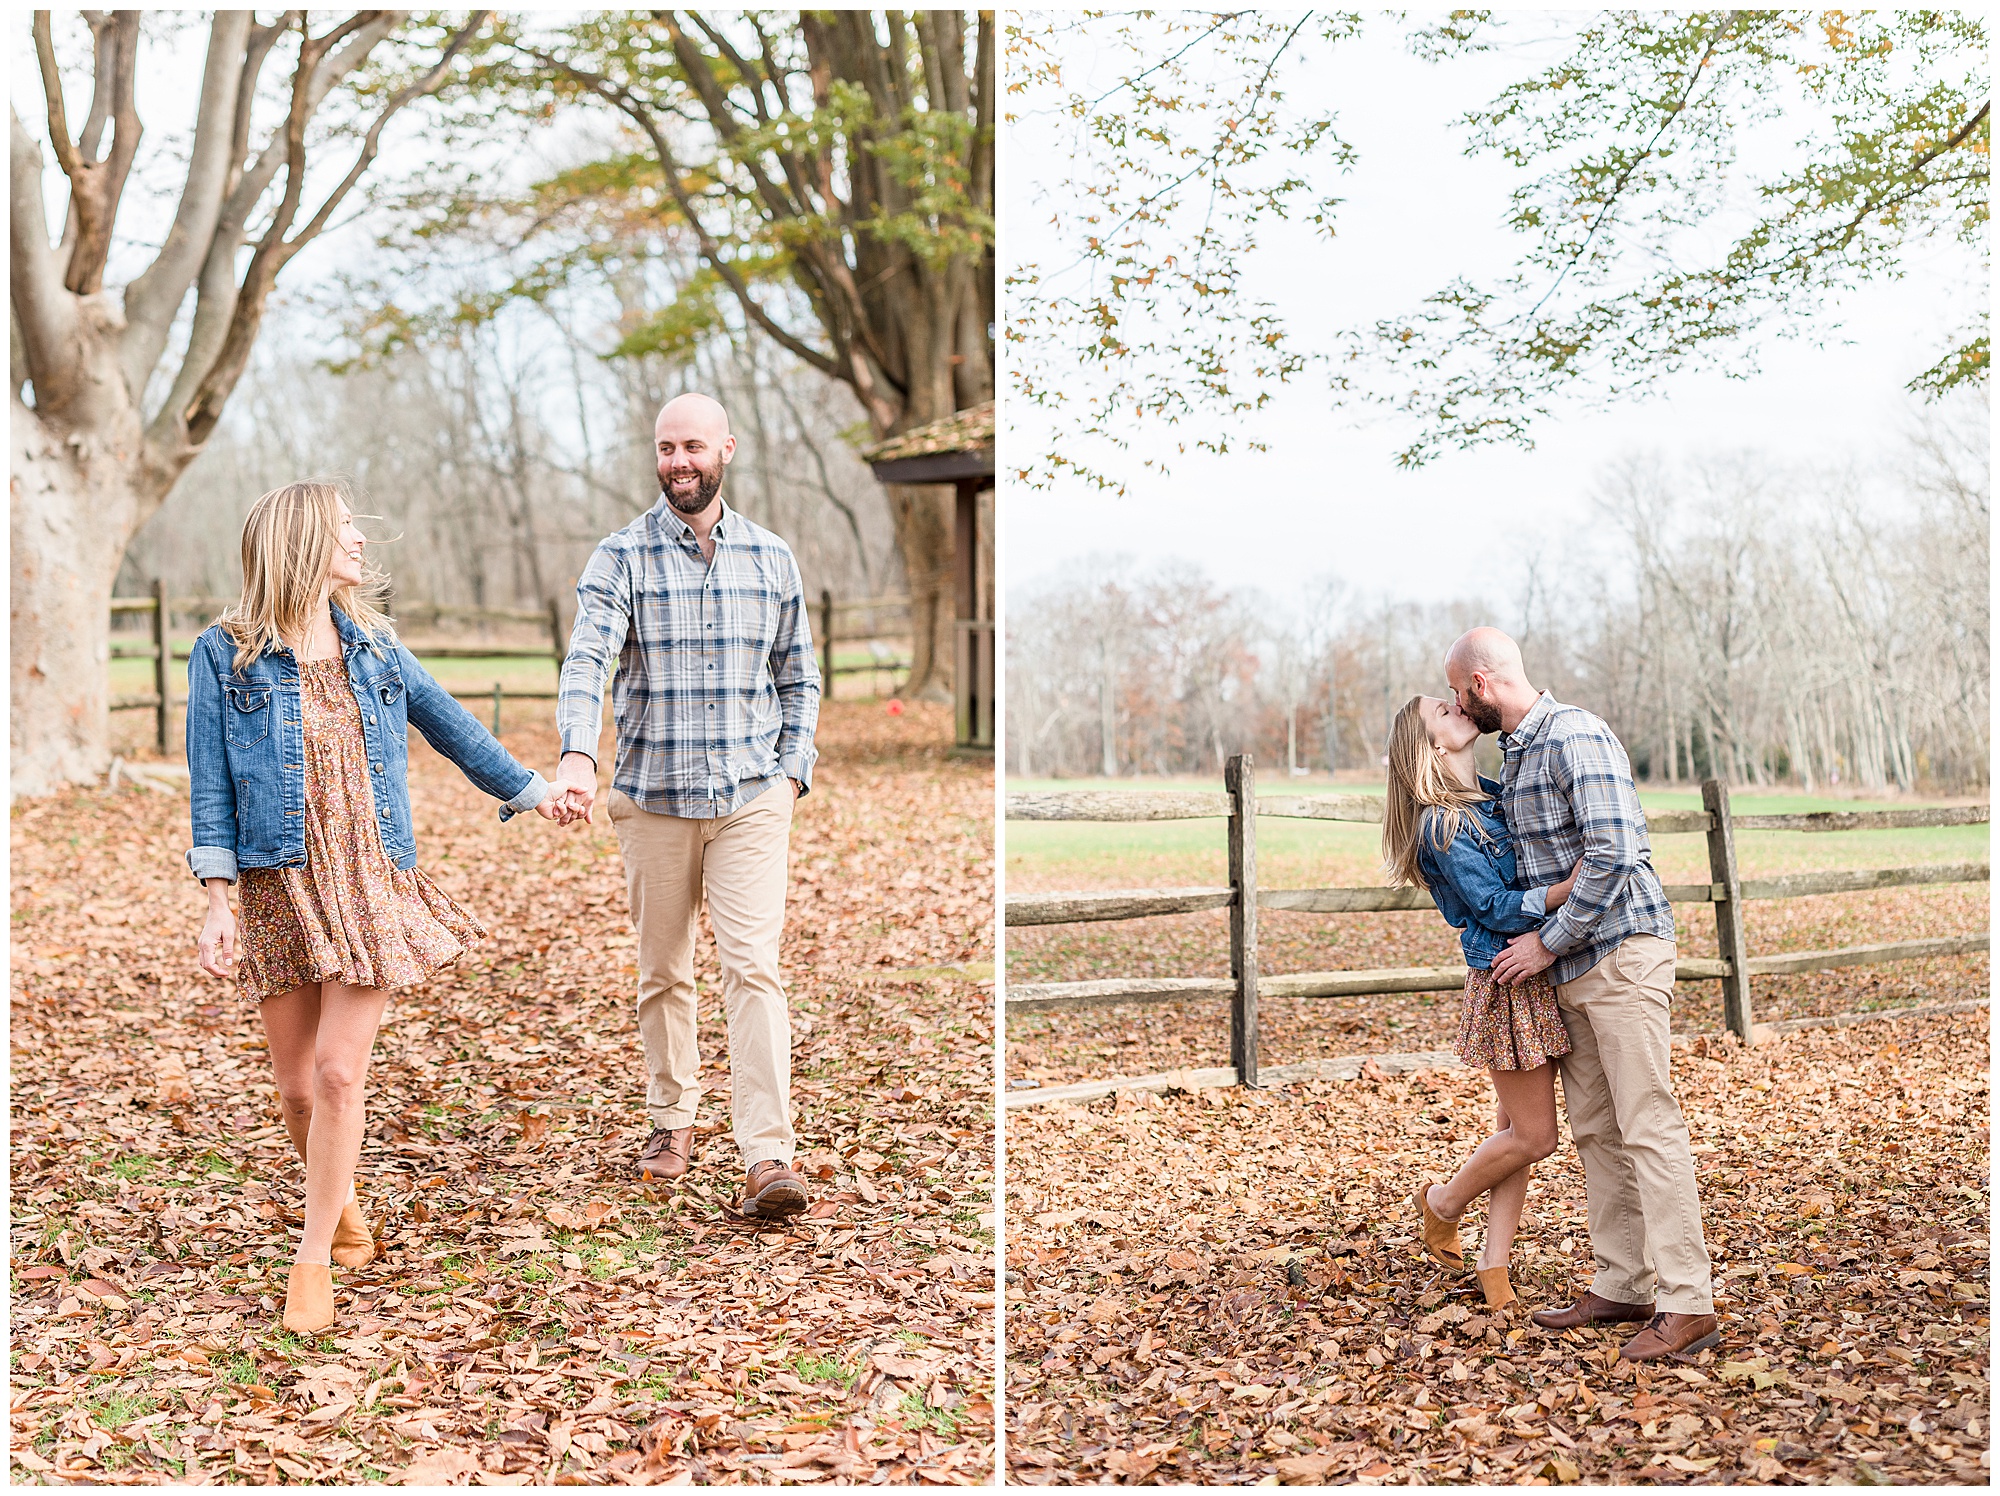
(1504, 1204)
(1528, 1103)
(349, 1017)
(291, 1028)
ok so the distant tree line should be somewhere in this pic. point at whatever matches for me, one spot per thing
(1727, 618)
(494, 461)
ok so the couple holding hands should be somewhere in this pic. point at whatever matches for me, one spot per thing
(300, 701)
(1569, 949)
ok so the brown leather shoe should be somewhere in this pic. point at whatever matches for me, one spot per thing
(1591, 1310)
(1681, 1336)
(668, 1154)
(774, 1190)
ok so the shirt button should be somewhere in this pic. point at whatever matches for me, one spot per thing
(378, 768)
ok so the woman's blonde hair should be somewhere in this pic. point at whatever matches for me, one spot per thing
(289, 540)
(1424, 796)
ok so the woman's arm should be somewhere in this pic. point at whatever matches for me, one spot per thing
(211, 792)
(1557, 892)
(1473, 876)
(460, 737)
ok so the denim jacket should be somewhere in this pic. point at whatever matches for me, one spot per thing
(1473, 880)
(246, 750)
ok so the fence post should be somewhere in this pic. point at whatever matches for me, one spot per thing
(556, 638)
(163, 663)
(826, 641)
(1239, 778)
(1729, 942)
(496, 709)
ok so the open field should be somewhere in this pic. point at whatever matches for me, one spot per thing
(1136, 1039)
(1220, 1287)
(534, 1315)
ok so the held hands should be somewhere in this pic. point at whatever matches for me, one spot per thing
(562, 806)
(576, 783)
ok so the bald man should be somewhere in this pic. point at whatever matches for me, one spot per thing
(1567, 794)
(702, 613)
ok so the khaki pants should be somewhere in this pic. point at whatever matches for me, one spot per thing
(740, 862)
(1645, 1214)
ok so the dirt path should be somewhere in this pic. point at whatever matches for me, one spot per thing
(1220, 1288)
(534, 1316)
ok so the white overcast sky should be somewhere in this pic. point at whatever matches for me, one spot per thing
(1327, 497)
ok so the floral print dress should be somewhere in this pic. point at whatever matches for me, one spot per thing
(350, 914)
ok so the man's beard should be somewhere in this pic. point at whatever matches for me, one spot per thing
(704, 491)
(1484, 714)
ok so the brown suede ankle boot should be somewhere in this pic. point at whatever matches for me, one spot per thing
(353, 1243)
(309, 1298)
(1494, 1283)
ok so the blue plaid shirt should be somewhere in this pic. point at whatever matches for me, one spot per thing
(1567, 792)
(717, 691)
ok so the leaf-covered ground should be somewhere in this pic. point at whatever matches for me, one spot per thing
(535, 1315)
(1222, 1288)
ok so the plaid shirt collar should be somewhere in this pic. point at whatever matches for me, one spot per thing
(663, 516)
(1531, 725)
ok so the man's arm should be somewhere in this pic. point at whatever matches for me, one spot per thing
(1591, 769)
(795, 672)
(603, 620)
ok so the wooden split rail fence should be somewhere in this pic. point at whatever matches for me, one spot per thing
(1241, 805)
(161, 700)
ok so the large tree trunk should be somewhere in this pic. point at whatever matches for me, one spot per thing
(925, 515)
(77, 498)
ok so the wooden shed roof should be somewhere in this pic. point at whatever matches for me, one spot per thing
(968, 430)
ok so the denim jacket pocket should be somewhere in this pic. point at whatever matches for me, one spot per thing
(389, 688)
(249, 715)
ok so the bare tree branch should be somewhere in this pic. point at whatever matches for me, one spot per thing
(155, 295)
(197, 418)
(44, 310)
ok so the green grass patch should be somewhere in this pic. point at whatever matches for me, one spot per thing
(825, 1371)
(113, 1408)
(917, 1414)
(134, 1166)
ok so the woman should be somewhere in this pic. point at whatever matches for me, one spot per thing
(1442, 831)
(299, 705)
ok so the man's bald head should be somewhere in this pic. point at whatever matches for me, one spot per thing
(694, 411)
(692, 443)
(1486, 651)
(1484, 668)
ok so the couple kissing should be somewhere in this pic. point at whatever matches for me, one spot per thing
(300, 701)
(1569, 951)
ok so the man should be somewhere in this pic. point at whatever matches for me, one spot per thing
(1567, 792)
(717, 694)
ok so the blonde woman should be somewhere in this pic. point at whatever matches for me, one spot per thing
(300, 701)
(1442, 831)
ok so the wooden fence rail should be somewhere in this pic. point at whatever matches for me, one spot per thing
(1726, 892)
(161, 700)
